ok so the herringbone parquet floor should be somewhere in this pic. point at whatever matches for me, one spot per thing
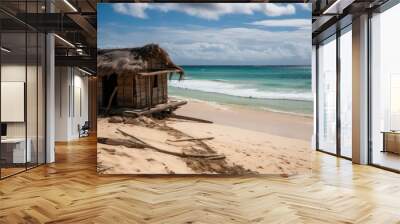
(70, 191)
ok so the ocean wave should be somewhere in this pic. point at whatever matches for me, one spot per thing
(239, 91)
(219, 80)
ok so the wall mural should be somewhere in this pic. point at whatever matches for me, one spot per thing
(218, 88)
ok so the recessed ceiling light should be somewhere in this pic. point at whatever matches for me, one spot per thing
(64, 40)
(70, 5)
(84, 71)
(5, 50)
(337, 7)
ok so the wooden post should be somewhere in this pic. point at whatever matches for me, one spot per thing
(150, 95)
(110, 100)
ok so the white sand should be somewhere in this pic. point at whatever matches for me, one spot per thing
(261, 152)
(286, 125)
(263, 142)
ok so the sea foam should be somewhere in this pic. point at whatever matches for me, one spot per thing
(223, 87)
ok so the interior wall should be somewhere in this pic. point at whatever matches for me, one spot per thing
(71, 102)
(80, 113)
(15, 73)
(62, 81)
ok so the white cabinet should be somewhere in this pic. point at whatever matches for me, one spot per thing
(17, 147)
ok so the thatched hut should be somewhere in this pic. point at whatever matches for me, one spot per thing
(134, 77)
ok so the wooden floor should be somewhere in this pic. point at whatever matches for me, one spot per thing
(387, 159)
(70, 191)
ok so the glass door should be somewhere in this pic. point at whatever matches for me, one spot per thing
(327, 95)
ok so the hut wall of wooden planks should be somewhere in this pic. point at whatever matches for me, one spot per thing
(138, 92)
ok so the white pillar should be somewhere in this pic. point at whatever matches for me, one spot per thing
(360, 89)
(50, 99)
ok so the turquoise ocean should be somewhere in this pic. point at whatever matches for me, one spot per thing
(274, 88)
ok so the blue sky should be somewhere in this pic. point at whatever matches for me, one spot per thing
(211, 33)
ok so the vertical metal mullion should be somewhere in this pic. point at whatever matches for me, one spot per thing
(45, 95)
(69, 93)
(73, 91)
(45, 88)
(60, 88)
(37, 90)
(338, 98)
(317, 96)
(369, 90)
(26, 86)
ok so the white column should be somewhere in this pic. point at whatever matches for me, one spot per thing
(360, 89)
(50, 99)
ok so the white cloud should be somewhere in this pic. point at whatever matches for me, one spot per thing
(278, 10)
(210, 11)
(136, 10)
(305, 6)
(298, 23)
(201, 45)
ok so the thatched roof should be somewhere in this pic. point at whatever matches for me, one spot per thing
(148, 59)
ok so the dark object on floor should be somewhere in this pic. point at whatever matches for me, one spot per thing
(84, 130)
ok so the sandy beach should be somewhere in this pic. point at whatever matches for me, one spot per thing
(250, 141)
(274, 123)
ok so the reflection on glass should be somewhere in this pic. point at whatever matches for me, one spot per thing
(385, 92)
(394, 102)
(327, 96)
(22, 90)
(346, 94)
(15, 151)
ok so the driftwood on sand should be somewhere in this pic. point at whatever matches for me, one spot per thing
(197, 154)
(157, 109)
(191, 139)
(183, 154)
(118, 141)
(190, 118)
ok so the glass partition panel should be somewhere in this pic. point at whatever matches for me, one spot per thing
(31, 98)
(385, 89)
(22, 108)
(346, 92)
(327, 96)
(14, 153)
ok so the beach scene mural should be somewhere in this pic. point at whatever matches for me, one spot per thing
(204, 88)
